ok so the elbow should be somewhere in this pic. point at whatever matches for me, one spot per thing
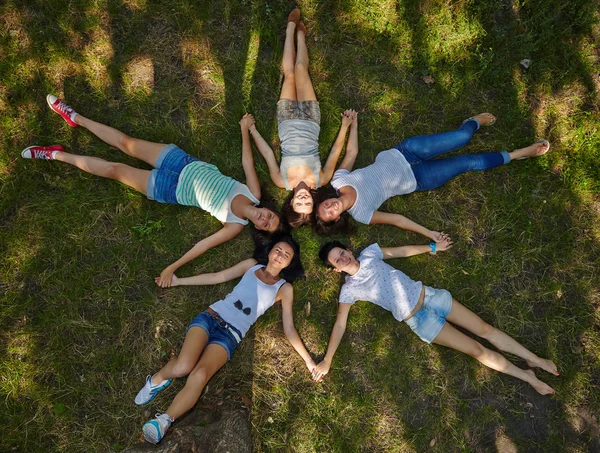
(289, 331)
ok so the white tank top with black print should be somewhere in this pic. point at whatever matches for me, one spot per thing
(250, 298)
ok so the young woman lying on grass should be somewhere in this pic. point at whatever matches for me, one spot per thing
(298, 119)
(406, 168)
(214, 334)
(423, 308)
(177, 178)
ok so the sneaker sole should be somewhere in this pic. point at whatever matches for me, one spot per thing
(150, 400)
(151, 433)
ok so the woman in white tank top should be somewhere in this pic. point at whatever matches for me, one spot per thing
(214, 334)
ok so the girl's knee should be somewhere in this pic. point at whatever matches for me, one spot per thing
(486, 330)
(477, 351)
(113, 170)
(126, 142)
(198, 377)
(182, 368)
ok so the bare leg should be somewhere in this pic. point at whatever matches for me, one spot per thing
(454, 339)
(304, 86)
(462, 316)
(133, 177)
(211, 360)
(193, 345)
(288, 90)
(140, 149)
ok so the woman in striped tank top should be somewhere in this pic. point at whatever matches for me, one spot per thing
(406, 168)
(177, 178)
(214, 334)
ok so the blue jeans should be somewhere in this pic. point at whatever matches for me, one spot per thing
(431, 174)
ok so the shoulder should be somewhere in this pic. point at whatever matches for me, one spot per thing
(286, 291)
(373, 250)
(339, 173)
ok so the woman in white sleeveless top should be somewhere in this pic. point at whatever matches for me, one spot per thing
(215, 333)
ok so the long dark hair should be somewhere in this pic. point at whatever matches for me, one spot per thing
(295, 219)
(263, 236)
(261, 254)
(341, 226)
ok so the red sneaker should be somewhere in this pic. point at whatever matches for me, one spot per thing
(41, 152)
(62, 109)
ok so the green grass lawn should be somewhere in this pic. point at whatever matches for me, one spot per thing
(82, 322)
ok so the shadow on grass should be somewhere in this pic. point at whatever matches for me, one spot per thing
(82, 324)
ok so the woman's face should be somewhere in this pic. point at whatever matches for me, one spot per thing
(281, 255)
(341, 259)
(330, 210)
(265, 219)
(302, 202)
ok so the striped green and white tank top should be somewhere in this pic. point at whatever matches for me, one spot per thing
(203, 185)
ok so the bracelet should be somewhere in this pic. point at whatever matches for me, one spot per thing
(433, 246)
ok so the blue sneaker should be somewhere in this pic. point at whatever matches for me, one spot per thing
(149, 391)
(155, 429)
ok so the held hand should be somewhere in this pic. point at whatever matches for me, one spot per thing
(311, 365)
(354, 118)
(320, 371)
(347, 118)
(438, 237)
(167, 278)
(443, 245)
(247, 121)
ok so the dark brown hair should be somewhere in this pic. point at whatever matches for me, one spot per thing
(341, 226)
(295, 219)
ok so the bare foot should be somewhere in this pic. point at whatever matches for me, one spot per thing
(485, 119)
(539, 386)
(539, 148)
(301, 28)
(294, 16)
(544, 364)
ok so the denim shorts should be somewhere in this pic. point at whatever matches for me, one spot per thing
(217, 330)
(429, 320)
(162, 183)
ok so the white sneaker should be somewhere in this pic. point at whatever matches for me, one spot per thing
(155, 429)
(149, 391)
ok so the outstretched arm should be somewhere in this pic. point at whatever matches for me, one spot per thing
(247, 157)
(214, 278)
(406, 224)
(267, 153)
(336, 149)
(352, 146)
(286, 292)
(229, 231)
(334, 341)
(412, 250)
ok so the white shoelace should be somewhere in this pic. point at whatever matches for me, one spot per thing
(64, 108)
(42, 154)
